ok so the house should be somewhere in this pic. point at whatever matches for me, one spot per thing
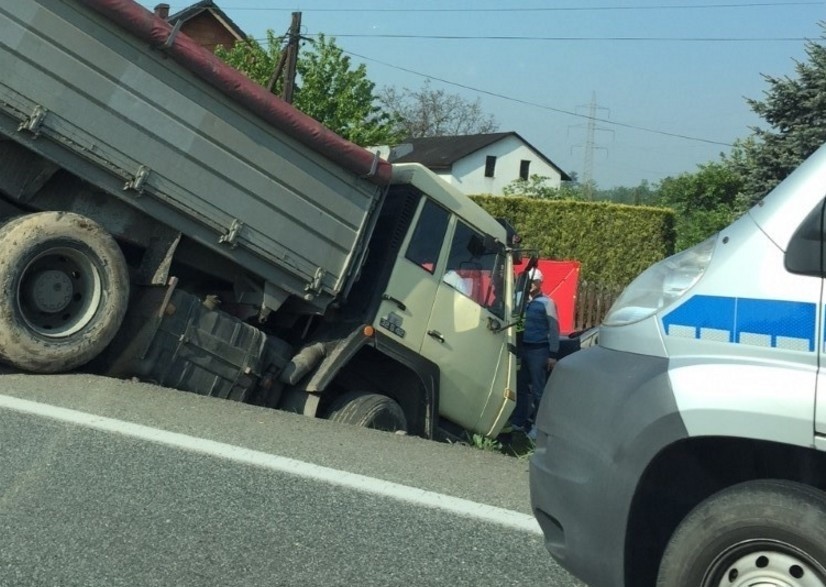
(478, 164)
(205, 23)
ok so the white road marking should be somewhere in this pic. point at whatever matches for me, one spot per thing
(455, 505)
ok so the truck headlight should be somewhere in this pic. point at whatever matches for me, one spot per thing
(661, 284)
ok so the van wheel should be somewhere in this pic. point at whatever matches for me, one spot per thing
(368, 410)
(756, 533)
(64, 289)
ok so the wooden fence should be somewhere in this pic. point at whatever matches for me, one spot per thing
(592, 303)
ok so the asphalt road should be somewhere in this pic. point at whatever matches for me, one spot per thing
(109, 483)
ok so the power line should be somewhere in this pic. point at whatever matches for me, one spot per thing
(542, 106)
(591, 118)
(308, 36)
(557, 39)
(546, 9)
(526, 38)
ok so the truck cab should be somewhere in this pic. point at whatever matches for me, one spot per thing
(452, 276)
(437, 288)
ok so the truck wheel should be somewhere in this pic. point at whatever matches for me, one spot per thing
(755, 533)
(64, 289)
(368, 410)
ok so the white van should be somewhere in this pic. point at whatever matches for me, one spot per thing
(687, 447)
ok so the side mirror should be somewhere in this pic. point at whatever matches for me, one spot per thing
(483, 245)
(491, 244)
(523, 286)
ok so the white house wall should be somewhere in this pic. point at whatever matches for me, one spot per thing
(468, 174)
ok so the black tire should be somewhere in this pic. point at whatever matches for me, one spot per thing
(64, 289)
(368, 410)
(754, 533)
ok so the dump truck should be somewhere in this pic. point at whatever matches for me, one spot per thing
(165, 218)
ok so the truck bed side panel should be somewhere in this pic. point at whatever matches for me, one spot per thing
(112, 100)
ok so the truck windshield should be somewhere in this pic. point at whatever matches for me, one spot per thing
(476, 268)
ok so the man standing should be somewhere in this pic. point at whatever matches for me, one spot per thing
(539, 340)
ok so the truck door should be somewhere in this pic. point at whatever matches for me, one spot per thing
(462, 334)
(443, 301)
(408, 298)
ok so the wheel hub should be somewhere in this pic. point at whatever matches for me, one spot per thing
(59, 292)
(768, 568)
(52, 291)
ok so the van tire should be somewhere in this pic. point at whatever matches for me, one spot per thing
(64, 290)
(368, 410)
(751, 533)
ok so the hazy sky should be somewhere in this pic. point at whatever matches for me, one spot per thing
(667, 80)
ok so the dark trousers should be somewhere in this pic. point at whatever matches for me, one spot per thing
(530, 383)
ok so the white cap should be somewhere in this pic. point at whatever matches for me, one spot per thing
(535, 274)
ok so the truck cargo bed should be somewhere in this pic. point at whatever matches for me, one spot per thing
(138, 121)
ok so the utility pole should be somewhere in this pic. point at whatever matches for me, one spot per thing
(292, 57)
(590, 147)
(588, 171)
(288, 58)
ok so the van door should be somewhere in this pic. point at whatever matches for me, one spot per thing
(806, 255)
(819, 217)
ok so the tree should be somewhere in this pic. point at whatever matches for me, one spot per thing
(537, 187)
(641, 195)
(254, 60)
(795, 111)
(434, 113)
(341, 97)
(329, 88)
(705, 202)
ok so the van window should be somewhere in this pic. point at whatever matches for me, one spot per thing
(806, 253)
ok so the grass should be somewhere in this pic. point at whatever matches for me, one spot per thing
(484, 443)
(513, 444)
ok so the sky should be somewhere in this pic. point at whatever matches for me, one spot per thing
(641, 89)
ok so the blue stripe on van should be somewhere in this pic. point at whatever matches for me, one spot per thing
(740, 317)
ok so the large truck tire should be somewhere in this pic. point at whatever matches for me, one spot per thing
(368, 410)
(64, 290)
(754, 533)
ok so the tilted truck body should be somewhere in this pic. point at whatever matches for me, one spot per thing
(167, 218)
(688, 449)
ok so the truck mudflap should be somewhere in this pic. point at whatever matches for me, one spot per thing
(142, 23)
(603, 417)
(174, 339)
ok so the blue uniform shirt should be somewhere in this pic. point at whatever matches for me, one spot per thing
(541, 323)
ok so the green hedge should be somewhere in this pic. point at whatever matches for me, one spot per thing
(612, 242)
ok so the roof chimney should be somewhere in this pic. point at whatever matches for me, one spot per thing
(162, 10)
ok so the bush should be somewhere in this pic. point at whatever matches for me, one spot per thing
(613, 242)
